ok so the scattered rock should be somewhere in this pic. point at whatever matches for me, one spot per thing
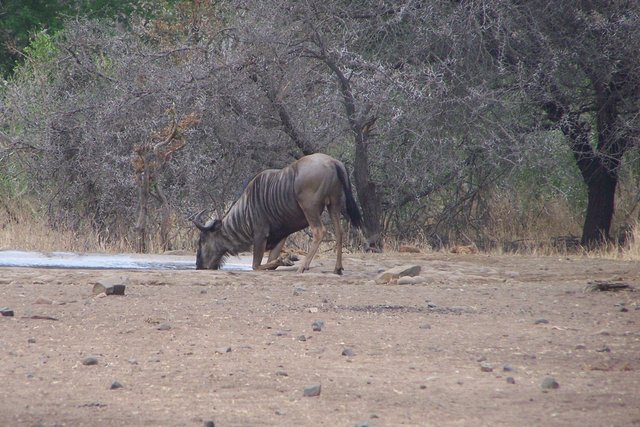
(6, 312)
(115, 385)
(507, 368)
(510, 380)
(624, 309)
(302, 338)
(419, 280)
(164, 327)
(298, 291)
(486, 367)
(31, 340)
(397, 272)
(281, 374)
(549, 383)
(541, 322)
(209, 423)
(42, 300)
(580, 347)
(347, 352)
(363, 424)
(605, 286)
(312, 390)
(604, 349)
(425, 326)
(318, 325)
(111, 285)
(313, 309)
(223, 350)
(90, 360)
(406, 280)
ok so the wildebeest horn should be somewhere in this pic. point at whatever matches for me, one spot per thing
(198, 222)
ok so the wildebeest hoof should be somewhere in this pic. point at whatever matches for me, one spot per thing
(338, 271)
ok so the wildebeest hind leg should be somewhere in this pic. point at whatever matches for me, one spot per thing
(334, 211)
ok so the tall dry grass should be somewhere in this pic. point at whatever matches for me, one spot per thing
(547, 231)
(23, 228)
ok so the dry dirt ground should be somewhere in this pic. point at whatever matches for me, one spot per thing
(470, 346)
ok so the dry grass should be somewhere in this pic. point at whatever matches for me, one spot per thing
(21, 228)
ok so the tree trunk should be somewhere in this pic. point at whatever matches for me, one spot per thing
(599, 168)
(141, 222)
(601, 189)
(369, 199)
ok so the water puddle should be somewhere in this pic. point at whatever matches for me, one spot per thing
(109, 261)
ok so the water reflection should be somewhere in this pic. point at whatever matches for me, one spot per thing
(108, 261)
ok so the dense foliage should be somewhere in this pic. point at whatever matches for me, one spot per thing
(461, 121)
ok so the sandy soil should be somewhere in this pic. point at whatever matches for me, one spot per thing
(470, 346)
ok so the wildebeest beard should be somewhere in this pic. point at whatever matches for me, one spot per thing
(216, 249)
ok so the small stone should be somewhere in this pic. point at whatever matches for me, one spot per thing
(423, 387)
(223, 350)
(302, 338)
(313, 309)
(425, 326)
(115, 385)
(31, 340)
(111, 285)
(580, 347)
(164, 327)
(90, 360)
(132, 361)
(405, 280)
(510, 380)
(281, 374)
(363, 424)
(624, 309)
(549, 383)
(298, 291)
(312, 390)
(318, 325)
(43, 301)
(604, 349)
(541, 322)
(209, 424)
(397, 272)
(347, 352)
(507, 368)
(486, 367)
(6, 312)
(431, 306)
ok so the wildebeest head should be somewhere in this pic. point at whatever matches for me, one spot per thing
(212, 246)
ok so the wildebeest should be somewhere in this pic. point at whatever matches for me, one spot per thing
(275, 204)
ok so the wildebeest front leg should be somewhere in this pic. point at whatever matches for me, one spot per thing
(317, 229)
(273, 261)
(259, 246)
(275, 252)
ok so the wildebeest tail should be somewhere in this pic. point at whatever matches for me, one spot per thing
(352, 207)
